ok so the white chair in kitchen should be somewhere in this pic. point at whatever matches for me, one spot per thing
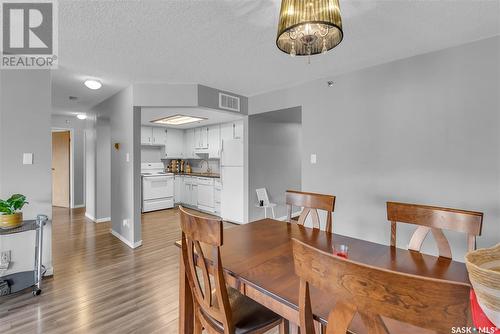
(264, 199)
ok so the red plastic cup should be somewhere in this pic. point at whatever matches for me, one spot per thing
(342, 251)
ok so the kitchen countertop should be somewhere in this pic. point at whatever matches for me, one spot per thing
(201, 174)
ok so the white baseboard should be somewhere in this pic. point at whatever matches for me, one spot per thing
(125, 241)
(294, 214)
(89, 216)
(97, 220)
(49, 271)
(78, 206)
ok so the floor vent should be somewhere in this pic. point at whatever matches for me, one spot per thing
(229, 102)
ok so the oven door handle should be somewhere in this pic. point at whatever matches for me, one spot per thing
(157, 178)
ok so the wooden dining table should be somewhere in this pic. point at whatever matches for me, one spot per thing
(258, 261)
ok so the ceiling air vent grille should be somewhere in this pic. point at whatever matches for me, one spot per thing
(229, 102)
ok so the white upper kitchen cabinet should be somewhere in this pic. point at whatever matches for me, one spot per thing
(159, 136)
(214, 141)
(232, 130)
(146, 135)
(174, 147)
(189, 144)
(201, 138)
(226, 131)
(238, 130)
(155, 136)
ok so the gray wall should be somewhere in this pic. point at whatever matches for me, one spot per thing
(125, 176)
(422, 130)
(25, 127)
(209, 97)
(78, 140)
(90, 173)
(103, 173)
(274, 157)
(163, 95)
(98, 169)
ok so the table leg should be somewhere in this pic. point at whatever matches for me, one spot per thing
(284, 327)
(294, 329)
(186, 307)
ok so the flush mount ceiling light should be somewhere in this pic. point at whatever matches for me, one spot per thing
(81, 116)
(178, 120)
(309, 27)
(93, 84)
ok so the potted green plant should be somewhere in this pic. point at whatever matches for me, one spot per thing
(10, 211)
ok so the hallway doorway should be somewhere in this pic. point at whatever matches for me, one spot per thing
(61, 169)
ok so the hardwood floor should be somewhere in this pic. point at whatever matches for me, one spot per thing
(100, 285)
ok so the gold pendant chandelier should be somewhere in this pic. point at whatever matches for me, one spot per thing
(309, 27)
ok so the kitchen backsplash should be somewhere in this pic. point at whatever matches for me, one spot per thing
(213, 164)
(196, 166)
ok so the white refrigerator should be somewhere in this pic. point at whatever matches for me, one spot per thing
(232, 205)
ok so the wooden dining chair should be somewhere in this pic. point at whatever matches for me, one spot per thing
(218, 308)
(374, 293)
(434, 219)
(311, 203)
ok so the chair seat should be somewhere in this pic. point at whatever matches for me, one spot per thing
(248, 315)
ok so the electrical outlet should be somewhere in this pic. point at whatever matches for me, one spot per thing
(4, 288)
(125, 223)
(4, 260)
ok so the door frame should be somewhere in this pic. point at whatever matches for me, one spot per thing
(71, 164)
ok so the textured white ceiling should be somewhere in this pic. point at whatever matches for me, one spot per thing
(230, 44)
(212, 116)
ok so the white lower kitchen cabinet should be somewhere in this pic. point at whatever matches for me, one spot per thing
(217, 196)
(194, 194)
(206, 200)
(178, 187)
(203, 193)
(190, 191)
(186, 191)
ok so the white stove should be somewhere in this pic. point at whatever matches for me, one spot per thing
(157, 187)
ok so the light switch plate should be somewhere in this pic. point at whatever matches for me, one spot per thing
(313, 159)
(27, 158)
(127, 157)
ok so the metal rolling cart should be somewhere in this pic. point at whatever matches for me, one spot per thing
(22, 280)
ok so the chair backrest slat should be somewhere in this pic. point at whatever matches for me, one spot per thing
(435, 219)
(196, 231)
(311, 202)
(374, 292)
(262, 195)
